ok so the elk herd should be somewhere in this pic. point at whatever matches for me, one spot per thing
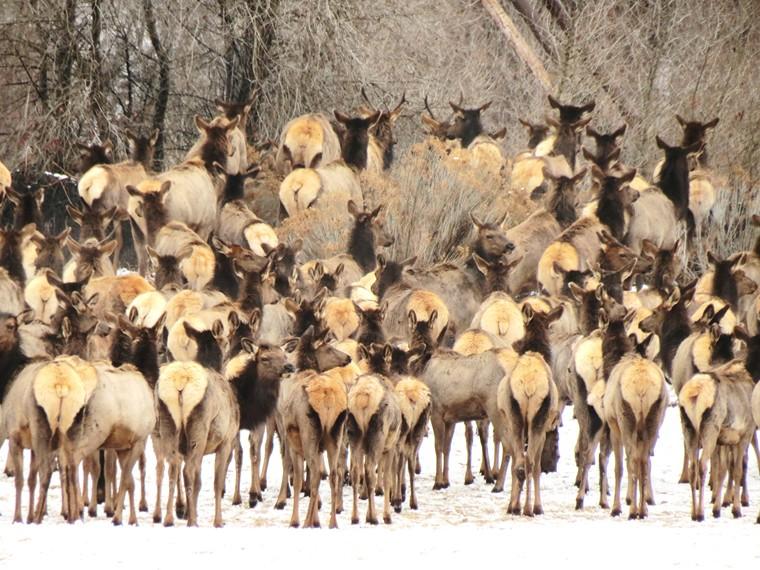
(227, 325)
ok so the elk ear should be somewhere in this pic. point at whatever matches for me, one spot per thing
(712, 258)
(153, 254)
(339, 270)
(381, 261)
(75, 214)
(482, 265)
(579, 175)
(108, 248)
(555, 313)
(681, 121)
(132, 191)
(621, 131)
(232, 124)
(719, 314)
(412, 317)
(249, 345)
(527, 312)
(217, 329)
(628, 176)
(498, 135)
(234, 320)
(353, 209)
(190, 330)
(154, 137)
(661, 143)
(362, 352)
(525, 124)
(254, 321)
(604, 320)
(431, 122)
(649, 248)
(132, 315)
(456, 108)
(291, 306)
(485, 106)
(289, 344)
(587, 154)
(202, 125)
(409, 261)
(165, 187)
(597, 172)
(160, 323)
(341, 117)
(66, 328)
(73, 246)
(674, 298)
(741, 333)
(554, 103)
(433, 317)
(61, 237)
(615, 154)
(712, 124)
(576, 291)
(715, 332)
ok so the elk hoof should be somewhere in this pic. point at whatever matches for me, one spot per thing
(538, 511)
(716, 513)
(372, 520)
(156, 519)
(413, 506)
(683, 480)
(92, 513)
(699, 518)
(745, 502)
(354, 520)
(263, 484)
(252, 502)
(294, 524)
(168, 522)
(497, 489)
(116, 522)
(726, 504)
(143, 507)
(737, 512)
(632, 516)
(436, 486)
(469, 480)
(578, 504)
(397, 508)
(180, 511)
(489, 480)
(378, 492)
(387, 519)
(109, 512)
(651, 502)
(527, 512)
(628, 501)
(615, 512)
(279, 505)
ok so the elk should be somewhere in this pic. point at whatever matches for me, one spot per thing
(5, 179)
(580, 243)
(607, 150)
(673, 178)
(571, 113)
(568, 136)
(381, 140)
(332, 183)
(532, 236)
(237, 224)
(27, 207)
(716, 410)
(635, 400)
(94, 154)
(184, 193)
(307, 141)
(89, 259)
(104, 186)
(311, 412)
(255, 375)
(466, 125)
(195, 258)
(220, 134)
(373, 427)
(528, 400)
(94, 223)
(234, 185)
(198, 414)
(400, 300)
(367, 235)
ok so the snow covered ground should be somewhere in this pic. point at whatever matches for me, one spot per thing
(466, 524)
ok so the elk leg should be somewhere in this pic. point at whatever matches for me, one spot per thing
(447, 453)
(31, 482)
(159, 484)
(173, 481)
(221, 463)
(255, 438)
(237, 451)
(357, 461)
(17, 453)
(94, 463)
(485, 465)
(110, 468)
(468, 478)
(143, 494)
(271, 428)
(439, 434)
(297, 462)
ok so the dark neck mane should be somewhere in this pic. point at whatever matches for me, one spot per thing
(361, 245)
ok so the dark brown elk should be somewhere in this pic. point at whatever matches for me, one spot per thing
(355, 141)
(234, 185)
(537, 133)
(571, 113)
(568, 138)
(94, 154)
(255, 376)
(381, 140)
(466, 125)
(607, 147)
(696, 132)
(673, 178)
(93, 223)
(27, 207)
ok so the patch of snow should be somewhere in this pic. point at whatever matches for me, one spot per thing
(462, 524)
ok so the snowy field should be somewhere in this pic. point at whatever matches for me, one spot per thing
(466, 524)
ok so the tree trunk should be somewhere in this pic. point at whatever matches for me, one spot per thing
(162, 99)
(524, 51)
